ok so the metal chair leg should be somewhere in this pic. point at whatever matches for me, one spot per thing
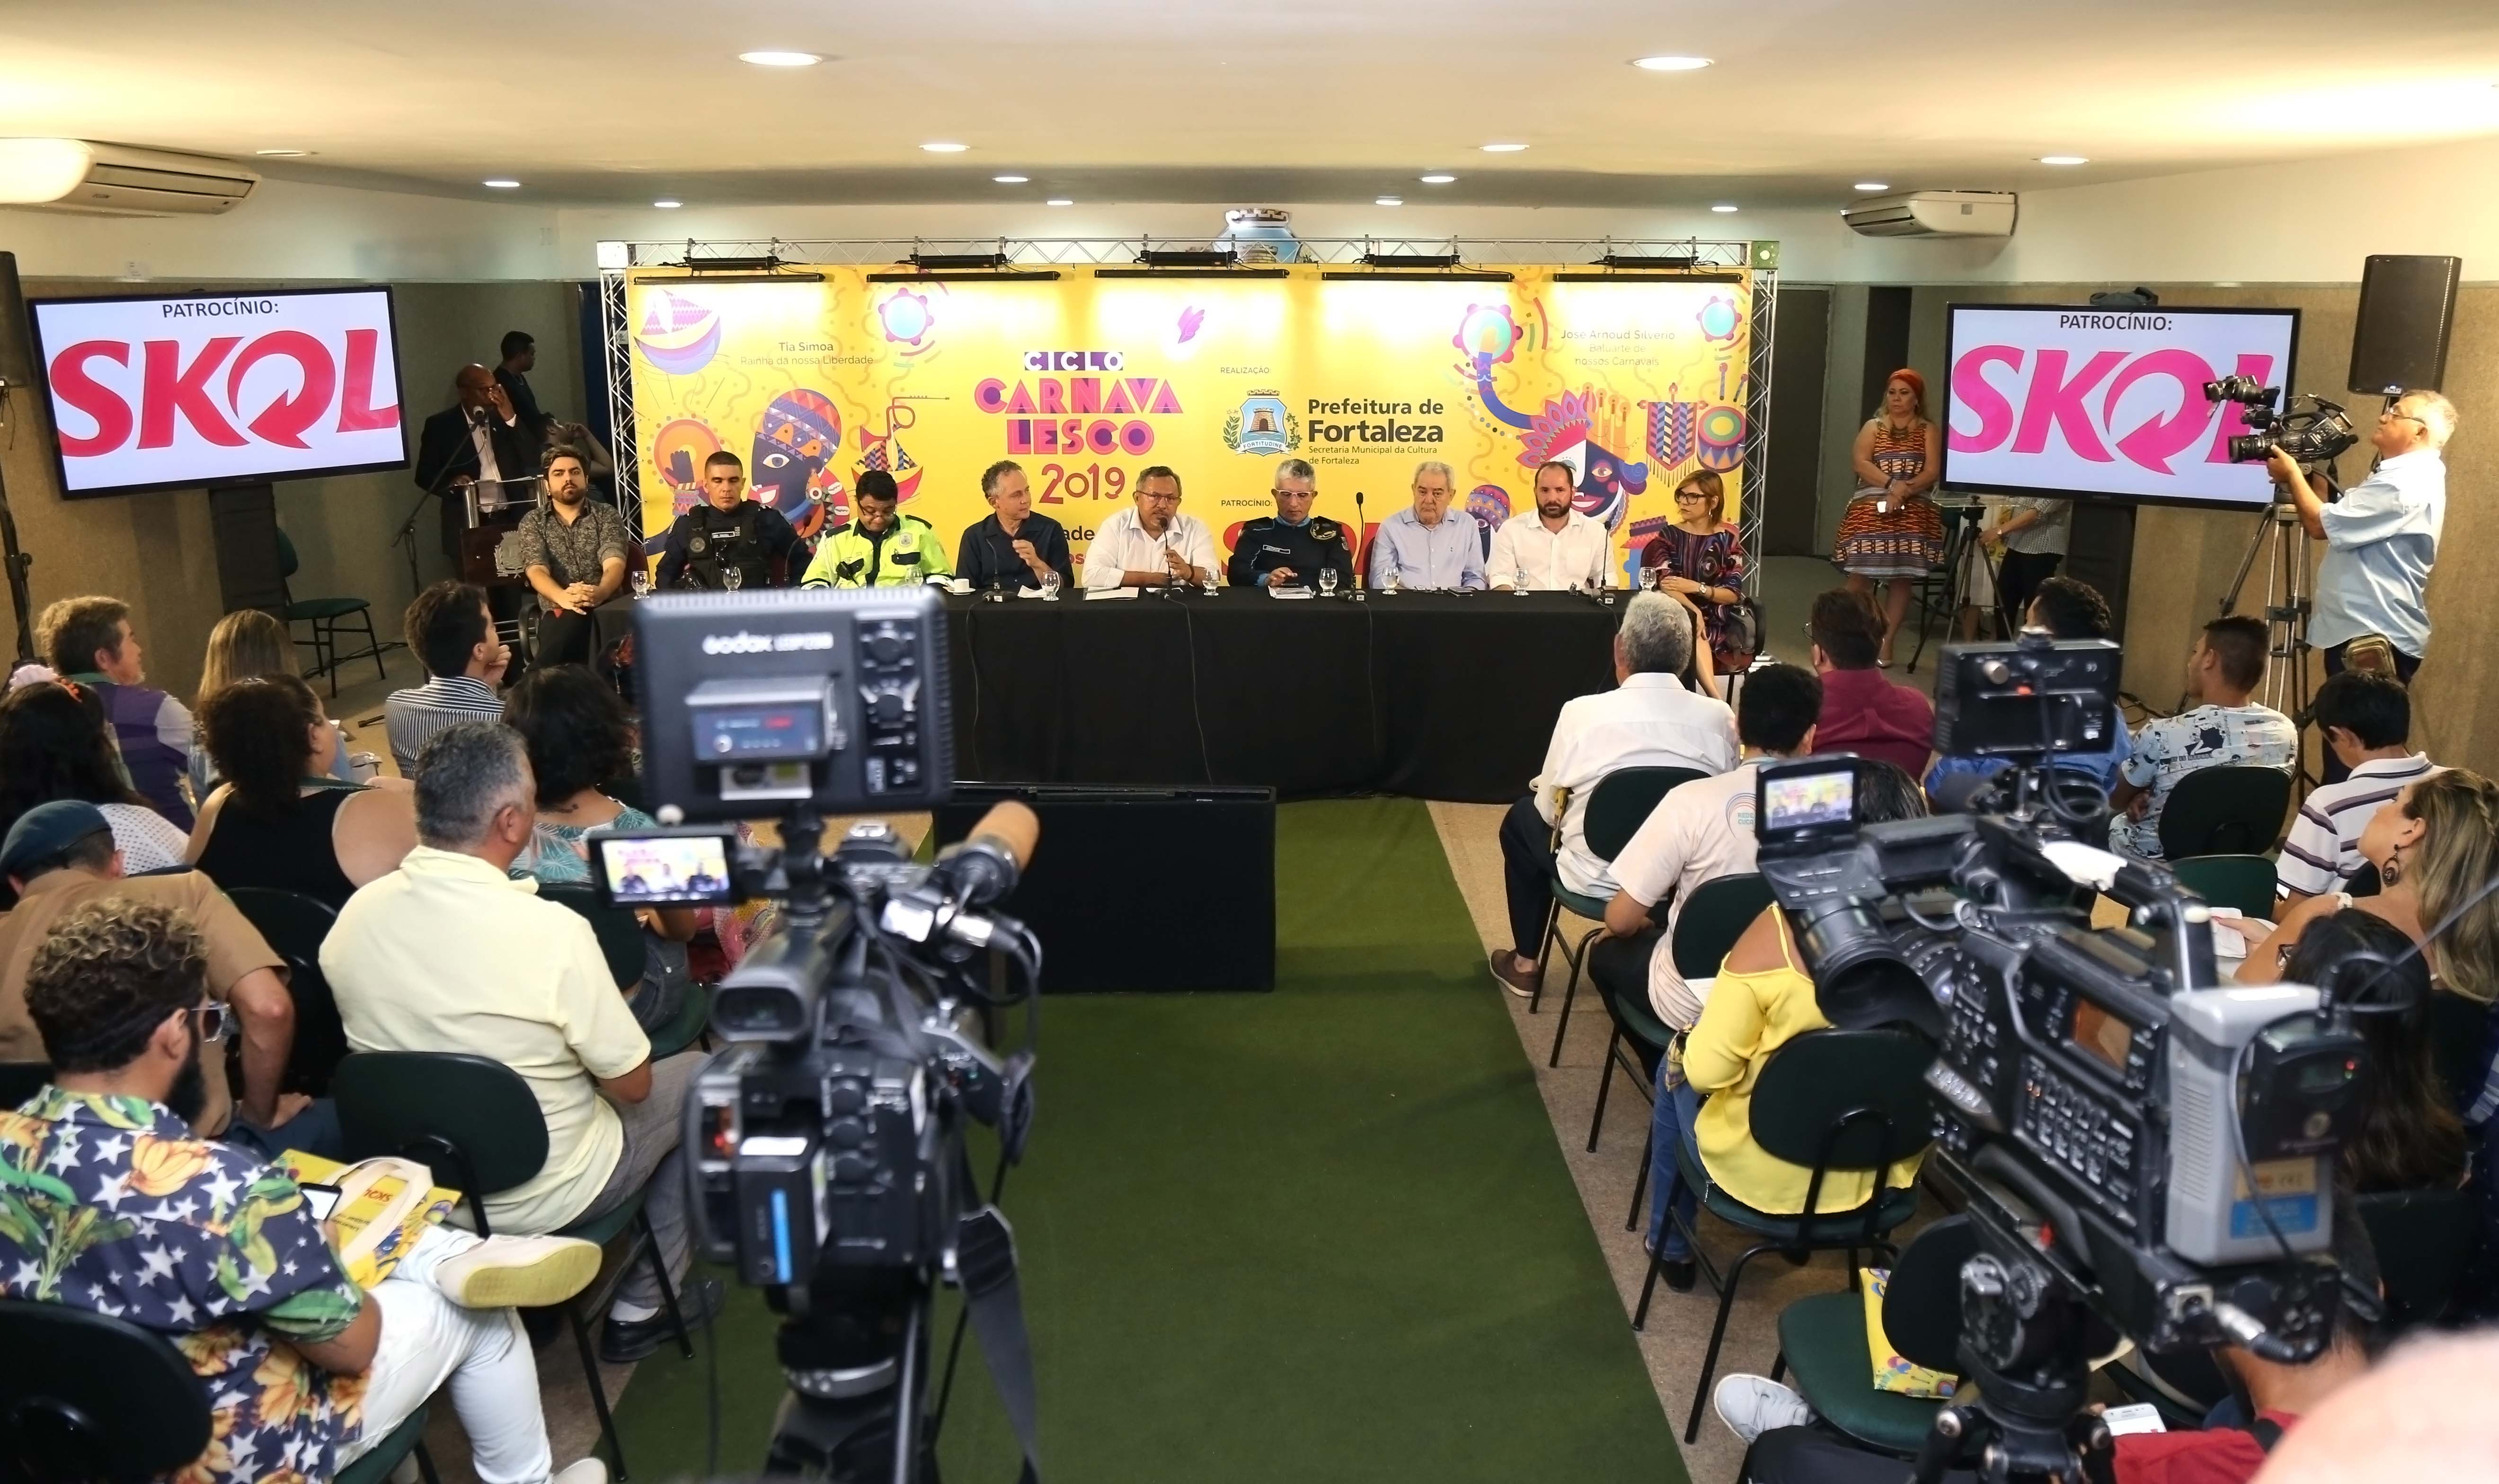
(667, 1290)
(1544, 948)
(424, 1466)
(1639, 1187)
(598, 1388)
(1570, 989)
(1605, 1085)
(1717, 1337)
(1779, 1364)
(1673, 1223)
(374, 646)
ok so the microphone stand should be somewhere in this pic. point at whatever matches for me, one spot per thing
(1360, 594)
(407, 528)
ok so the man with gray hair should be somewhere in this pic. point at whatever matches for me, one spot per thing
(1424, 546)
(1291, 547)
(1649, 720)
(451, 954)
(2379, 539)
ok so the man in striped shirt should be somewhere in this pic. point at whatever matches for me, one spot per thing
(2367, 719)
(453, 630)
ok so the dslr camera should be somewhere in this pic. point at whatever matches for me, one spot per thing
(2311, 429)
(2142, 1149)
(826, 1142)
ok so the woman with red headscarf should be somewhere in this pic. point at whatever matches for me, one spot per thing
(1893, 533)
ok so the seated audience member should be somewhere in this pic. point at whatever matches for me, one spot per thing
(1786, 1449)
(1649, 720)
(451, 631)
(2067, 609)
(1761, 1000)
(54, 745)
(449, 953)
(245, 645)
(2226, 665)
(880, 546)
(1698, 832)
(727, 531)
(280, 821)
(1432, 545)
(2435, 845)
(1862, 712)
(302, 1369)
(1012, 546)
(1553, 547)
(1152, 544)
(59, 857)
(1700, 555)
(574, 551)
(2410, 1137)
(2366, 720)
(89, 640)
(578, 738)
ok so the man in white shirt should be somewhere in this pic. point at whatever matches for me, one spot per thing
(2367, 719)
(1152, 545)
(449, 953)
(1559, 550)
(1648, 720)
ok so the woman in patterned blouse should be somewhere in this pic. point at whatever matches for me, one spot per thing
(1893, 533)
(1702, 557)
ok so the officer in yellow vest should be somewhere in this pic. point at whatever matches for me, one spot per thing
(880, 547)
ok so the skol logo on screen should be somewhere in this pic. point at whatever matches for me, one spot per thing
(2038, 391)
(334, 391)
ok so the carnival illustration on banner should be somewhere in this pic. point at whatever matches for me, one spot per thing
(1631, 382)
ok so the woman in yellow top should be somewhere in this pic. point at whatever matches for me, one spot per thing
(1761, 1000)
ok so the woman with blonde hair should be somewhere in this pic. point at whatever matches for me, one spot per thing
(247, 644)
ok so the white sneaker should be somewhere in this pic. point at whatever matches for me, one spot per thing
(520, 1272)
(1753, 1404)
(588, 1470)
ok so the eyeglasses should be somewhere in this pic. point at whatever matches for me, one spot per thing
(1690, 497)
(1158, 497)
(214, 1020)
(2390, 415)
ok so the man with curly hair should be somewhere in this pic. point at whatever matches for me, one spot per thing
(110, 1202)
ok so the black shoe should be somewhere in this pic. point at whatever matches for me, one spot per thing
(542, 1324)
(620, 1343)
(1679, 1275)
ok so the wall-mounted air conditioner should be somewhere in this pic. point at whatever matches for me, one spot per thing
(1933, 213)
(73, 174)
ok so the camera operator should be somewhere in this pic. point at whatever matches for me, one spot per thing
(2380, 537)
(1786, 1449)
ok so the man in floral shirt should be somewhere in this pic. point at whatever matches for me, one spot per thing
(110, 1204)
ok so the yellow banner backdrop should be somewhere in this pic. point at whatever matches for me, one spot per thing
(1088, 377)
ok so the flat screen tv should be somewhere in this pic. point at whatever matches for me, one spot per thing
(2107, 404)
(174, 391)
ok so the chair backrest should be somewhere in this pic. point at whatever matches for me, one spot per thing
(1622, 802)
(2424, 1239)
(1922, 1302)
(1712, 919)
(472, 1120)
(84, 1396)
(619, 931)
(287, 562)
(2243, 881)
(22, 1080)
(295, 925)
(1844, 1100)
(2236, 809)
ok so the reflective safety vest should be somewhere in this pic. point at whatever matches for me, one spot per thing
(910, 553)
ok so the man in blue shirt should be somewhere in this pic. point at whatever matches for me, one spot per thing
(1428, 545)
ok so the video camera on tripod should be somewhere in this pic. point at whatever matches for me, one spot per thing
(827, 1143)
(2310, 429)
(2139, 1145)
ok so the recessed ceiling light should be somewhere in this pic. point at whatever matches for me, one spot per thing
(945, 146)
(1058, 201)
(1010, 179)
(1437, 179)
(1390, 201)
(780, 58)
(1670, 63)
(505, 185)
(282, 153)
(1871, 185)
(1502, 148)
(667, 206)
(2064, 159)
(1724, 206)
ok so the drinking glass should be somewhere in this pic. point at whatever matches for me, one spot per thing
(1050, 583)
(732, 578)
(1327, 582)
(640, 577)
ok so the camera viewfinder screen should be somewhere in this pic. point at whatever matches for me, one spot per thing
(1807, 800)
(665, 868)
(2103, 1035)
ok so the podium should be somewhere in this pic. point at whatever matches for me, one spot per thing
(490, 542)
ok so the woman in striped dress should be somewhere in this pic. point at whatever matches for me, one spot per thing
(1893, 533)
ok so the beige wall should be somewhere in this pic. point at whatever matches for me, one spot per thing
(2184, 560)
(155, 551)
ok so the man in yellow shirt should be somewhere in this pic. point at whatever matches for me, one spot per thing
(881, 547)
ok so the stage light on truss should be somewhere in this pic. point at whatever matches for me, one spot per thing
(958, 262)
(1654, 262)
(1189, 257)
(1409, 260)
(616, 255)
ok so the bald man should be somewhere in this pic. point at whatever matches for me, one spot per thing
(2423, 1414)
(477, 438)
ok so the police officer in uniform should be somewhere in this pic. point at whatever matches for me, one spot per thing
(880, 547)
(727, 532)
(1292, 545)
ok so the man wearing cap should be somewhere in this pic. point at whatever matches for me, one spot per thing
(60, 856)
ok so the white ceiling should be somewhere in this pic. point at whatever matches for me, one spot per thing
(618, 102)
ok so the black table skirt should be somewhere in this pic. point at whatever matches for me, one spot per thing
(1425, 694)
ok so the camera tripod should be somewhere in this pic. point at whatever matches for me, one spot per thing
(1963, 555)
(2281, 543)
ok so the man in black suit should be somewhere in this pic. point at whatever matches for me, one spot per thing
(478, 436)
